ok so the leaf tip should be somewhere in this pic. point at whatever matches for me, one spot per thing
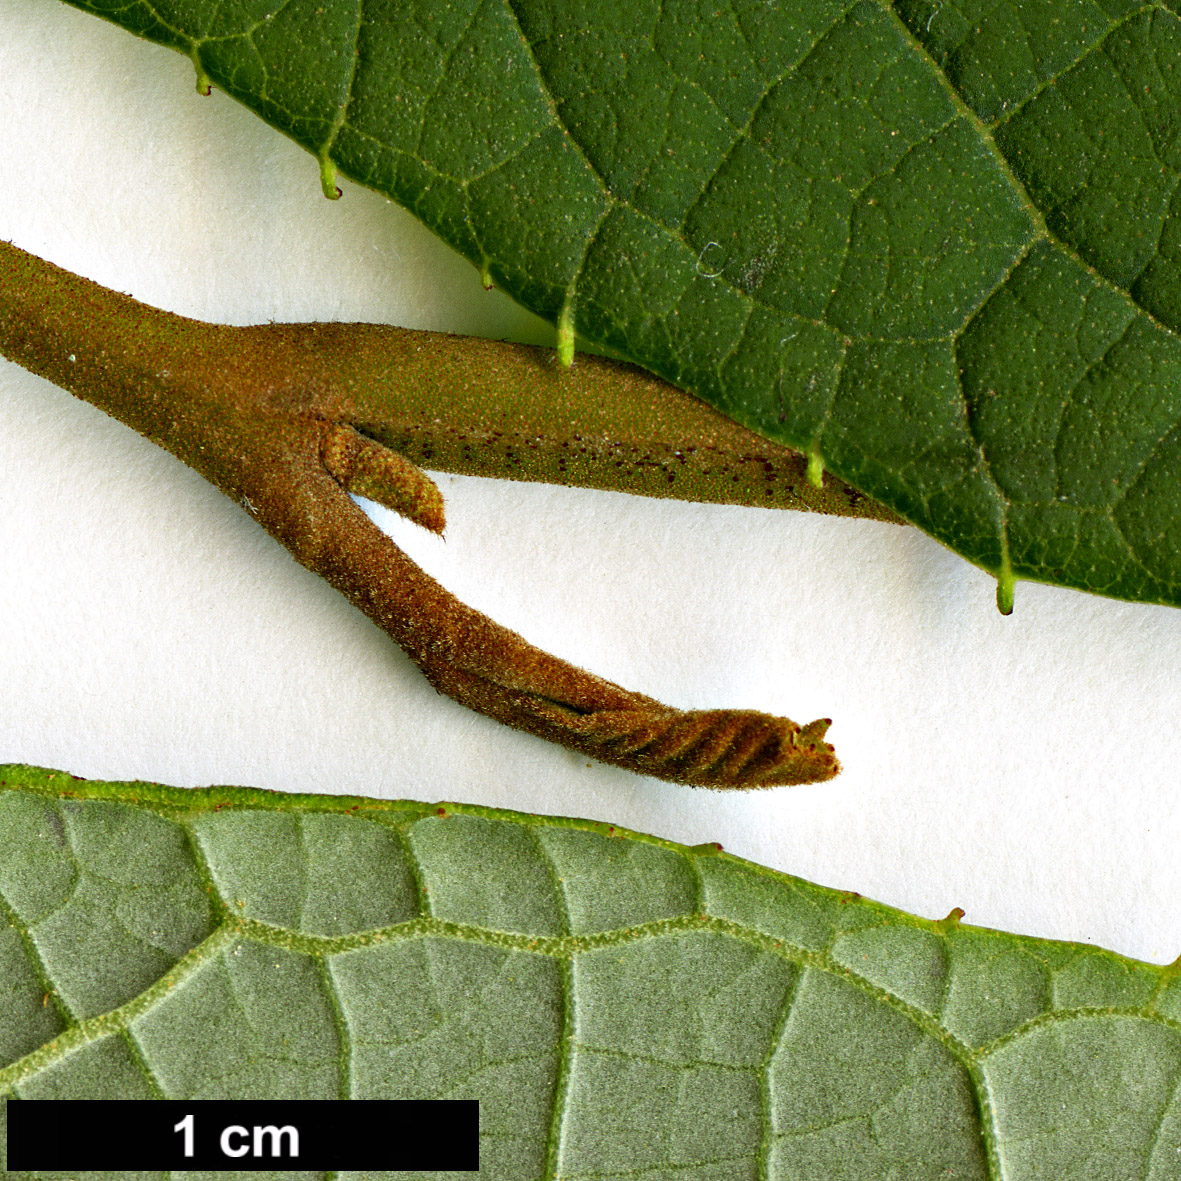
(1005, 584)
(486, 276)
(815, 468)
(328, 179)
(951, 922)
(566, 337)
(204, 82)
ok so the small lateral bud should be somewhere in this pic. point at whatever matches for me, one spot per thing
(363, 466)
(1005, 585)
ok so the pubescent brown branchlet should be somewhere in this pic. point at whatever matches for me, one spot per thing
(289, 419)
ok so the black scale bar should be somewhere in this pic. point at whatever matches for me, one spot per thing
(439, 1135)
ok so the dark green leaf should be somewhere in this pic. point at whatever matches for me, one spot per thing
(620, 1005)
(935, 244)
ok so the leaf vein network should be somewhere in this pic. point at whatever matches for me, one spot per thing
(743, 132)
(142, 1063)
(767, 1096)
(36, 960)
(982, 130)
(511, 9)
(1158, 1130)
(1009, 112)
(1068, 396)
(355, 64)
(441, 77)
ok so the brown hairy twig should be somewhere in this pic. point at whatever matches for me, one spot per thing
(289, 419)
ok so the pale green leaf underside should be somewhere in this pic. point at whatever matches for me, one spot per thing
(620, 1005)
(936, 242)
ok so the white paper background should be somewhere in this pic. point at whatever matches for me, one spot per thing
(1025, 769)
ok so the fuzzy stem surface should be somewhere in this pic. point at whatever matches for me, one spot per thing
(289, 419)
